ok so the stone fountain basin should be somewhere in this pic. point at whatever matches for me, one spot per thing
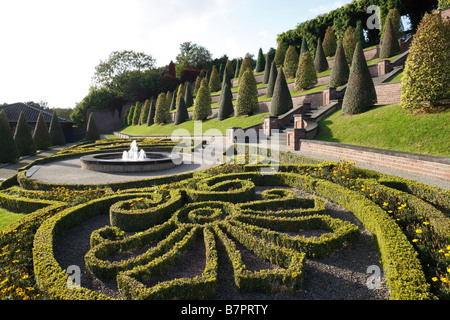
(113, 162)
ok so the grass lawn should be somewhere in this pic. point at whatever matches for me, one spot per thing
(7, 217)
(390, 127)
(169, 128)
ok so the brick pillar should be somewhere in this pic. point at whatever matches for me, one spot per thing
(384, 66)
(270, 123)
(293, 137)
(328, 95)
(298, 122)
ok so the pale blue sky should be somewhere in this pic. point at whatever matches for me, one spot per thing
(50, 47)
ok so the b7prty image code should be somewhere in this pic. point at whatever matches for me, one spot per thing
(228, 309)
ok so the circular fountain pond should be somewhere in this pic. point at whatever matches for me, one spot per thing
(130, 161)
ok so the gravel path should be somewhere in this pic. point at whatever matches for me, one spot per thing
(341, 276)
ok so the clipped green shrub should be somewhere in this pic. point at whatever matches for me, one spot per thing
(290, 62)
(444, 4)
(280, 54)
(92, 133)
(182, 114)
(202, 106)
(8, 150)
(306, 73)
(360, 93)
(137, 114)
(23, 138)
(229, 69)
(396, 20)
(214, 80)
(247, 98)
(151, 112)
(226, 79)
(267, 70)
(360, 33)
(390, 46)
(238, 68)
(226, 108)
(340, 71)
(329, 42)
(130, 115)
(161, 110)
(349, 42)
(41, 136)
(173, 103)
(304, 48)
(188, 96)
(281, 100)
(260, 62)
(272, 79)
(426, 77)
(144, 112)
(56, 132)
(320, 60)
(246, 64)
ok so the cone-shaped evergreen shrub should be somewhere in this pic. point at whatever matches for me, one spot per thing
(304, 47)
(349, 43)
(329, 42)
(260, 62)
(56, 132)
(130, 115)
(267, 70)
(360, 33)
(151, 112)
(144, 112)
(161, 110)
(238, 68)
(202, 105)
(390, 46)
(247, 99)
(168, 100)
(181, 91)
(173, 103)
(125, 117)
(320, 60)
(23, 138)
(182, 114)
(137, 114)
(92, 133)
(188, 97)
(340, 71)
(41, 136)
(360, 93)
(290, 62)
(306, 73)
(226, 108)
(426, 79)
(281, 100)
(396, 20)
(272, 79)
(229, 69)
(280, 54)
(8, 149)
(246, 64)
(226, 79)
(214, 81)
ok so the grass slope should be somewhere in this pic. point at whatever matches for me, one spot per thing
(390, 127)
(7, 217)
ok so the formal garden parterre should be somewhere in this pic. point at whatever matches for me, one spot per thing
(150, 225)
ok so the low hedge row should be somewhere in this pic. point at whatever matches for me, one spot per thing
(288, 279)
(231, 191)
(23, 204)
(132, 283)
(212, 211)
(131, 220)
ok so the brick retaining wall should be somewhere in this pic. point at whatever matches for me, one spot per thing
(389, 92)
(435, 167)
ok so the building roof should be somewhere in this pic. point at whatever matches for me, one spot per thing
(31, 113)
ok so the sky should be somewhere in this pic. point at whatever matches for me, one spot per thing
(50, 48)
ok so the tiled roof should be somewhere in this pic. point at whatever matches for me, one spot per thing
(31, 113)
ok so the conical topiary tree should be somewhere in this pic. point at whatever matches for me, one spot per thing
(349, 42)
(329, 42)
(320, 60)
(396, 21)
(23, 138)
(238, 68)
(173, 103)
(137, 114)
(246, 64)
(92, 133)
(304, 48)
(226, 108)
(280, 54)
(214, 81)
(267, 70)
(272, 79)
(360, 93)
(360, 33)
(226, 79)
(41, 136)
(426, 78)
(229, 69)
(340, 71)
(182, 114)
(188, 97)
(306, 73)
(56, 132)
(130, 115)
(290, 62)
(281, 100)
(144, 112)
(390, 46)
(247, 98)
(202, 105)
(260, 62)
(151, 112)
(161, 109)
(8, 149)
